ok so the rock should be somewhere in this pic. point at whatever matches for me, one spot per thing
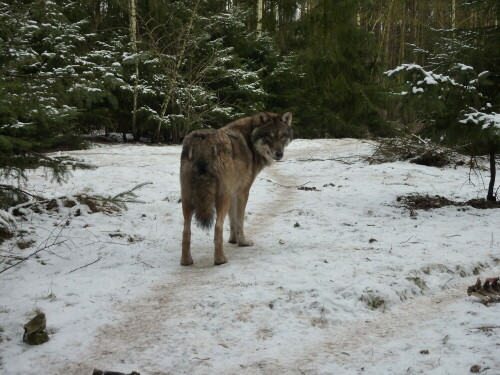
(475, 368)
(34, 330)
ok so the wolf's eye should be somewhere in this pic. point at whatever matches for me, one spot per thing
(284, 136)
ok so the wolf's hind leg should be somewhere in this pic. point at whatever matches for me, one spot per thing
(186, 259)
(241, 201)
(233, 219)
(222, 207)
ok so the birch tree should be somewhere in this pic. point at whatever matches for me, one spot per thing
(259, 18)
(133, 41)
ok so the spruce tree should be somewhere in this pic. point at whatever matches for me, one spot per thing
(457, 93)
(35, 112)
(339, 95)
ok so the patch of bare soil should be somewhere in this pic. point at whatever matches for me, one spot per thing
(427, 202)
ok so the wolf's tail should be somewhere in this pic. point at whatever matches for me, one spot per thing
(200, 176)
(204, 185)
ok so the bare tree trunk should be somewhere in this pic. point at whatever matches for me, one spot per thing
(259, 18)
(133, 39)
(491, 196)
(175, 74)
(453, 14)
(95, 16)
(402, 37)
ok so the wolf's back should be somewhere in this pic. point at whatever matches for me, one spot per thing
(199, 177)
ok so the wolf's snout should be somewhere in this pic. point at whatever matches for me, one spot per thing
(278, 155)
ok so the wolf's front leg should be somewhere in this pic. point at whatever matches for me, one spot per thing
(186, 259)
(242, 200)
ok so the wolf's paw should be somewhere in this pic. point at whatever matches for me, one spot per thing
(186, 261)
(218, 262)
(232, 239)
(244, 243)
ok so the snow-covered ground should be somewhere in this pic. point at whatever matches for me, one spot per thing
(341, 279)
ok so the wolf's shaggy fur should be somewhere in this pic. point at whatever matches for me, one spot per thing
(218, 167)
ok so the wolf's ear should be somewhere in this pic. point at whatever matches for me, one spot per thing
(263, 117)
(286, 118)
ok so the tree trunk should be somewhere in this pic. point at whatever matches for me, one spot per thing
(491, 197)
(453, 14)
(402, 40)
(133, 40)
(259, 18)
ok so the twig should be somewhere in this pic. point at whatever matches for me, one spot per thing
(474, 167)
(139, 259)
(339, 159)
(285, 186)
(32, 254)
(10, 256)
(447, 282)
(89, 264)
(407, 240)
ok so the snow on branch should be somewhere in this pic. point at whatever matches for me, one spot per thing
(430, 78)
(487, 120)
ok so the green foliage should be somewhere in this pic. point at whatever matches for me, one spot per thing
(35, 112)
(331, 79)
(457, 96)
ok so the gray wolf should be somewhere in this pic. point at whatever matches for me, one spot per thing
(218, 167)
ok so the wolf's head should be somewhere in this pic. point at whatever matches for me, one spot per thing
(272, 135)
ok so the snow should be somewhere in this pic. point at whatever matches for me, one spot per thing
(464, 67)
(487, 120)
(291, 304)
(430, 77)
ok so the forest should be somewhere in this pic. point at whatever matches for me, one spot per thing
(154, 70)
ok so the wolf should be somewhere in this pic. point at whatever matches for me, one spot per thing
(218, 167)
